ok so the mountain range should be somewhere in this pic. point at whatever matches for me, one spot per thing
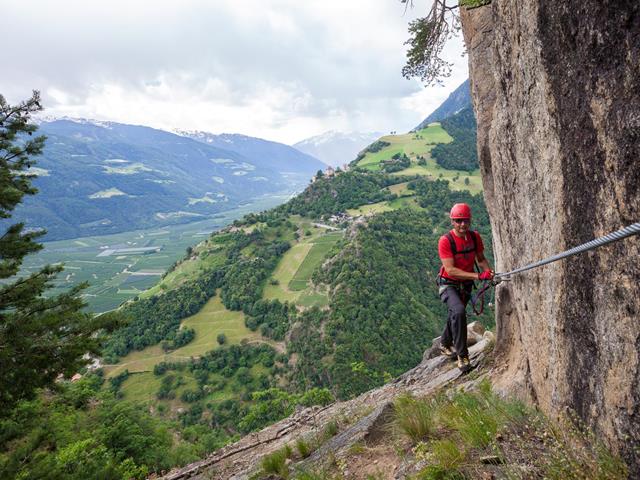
(274, 155)
(338, 148)
(104, 177)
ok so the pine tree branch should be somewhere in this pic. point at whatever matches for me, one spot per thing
(14, 286)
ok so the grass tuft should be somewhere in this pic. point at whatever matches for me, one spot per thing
(436, 472)
(311, 475)
(330, 430)
(575, 453)
(276, 462)
(446, 454)
(414, 417)
(303, 447)
(477, 417)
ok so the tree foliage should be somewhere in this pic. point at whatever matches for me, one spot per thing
(158, 318)
(40, 337)
(462, 153)
(399, 161)
(428, 36)
(82, 433)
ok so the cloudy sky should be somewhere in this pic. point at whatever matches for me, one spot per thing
(278, 69)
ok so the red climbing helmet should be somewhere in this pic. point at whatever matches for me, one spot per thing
(460, 210)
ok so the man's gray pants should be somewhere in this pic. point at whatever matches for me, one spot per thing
(455, 331)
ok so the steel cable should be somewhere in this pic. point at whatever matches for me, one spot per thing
(633, 229)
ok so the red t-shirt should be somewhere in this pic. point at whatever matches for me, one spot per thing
(463, 261)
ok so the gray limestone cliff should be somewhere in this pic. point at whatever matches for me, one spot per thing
(556, 90)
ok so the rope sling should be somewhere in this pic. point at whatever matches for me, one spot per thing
(633, 229)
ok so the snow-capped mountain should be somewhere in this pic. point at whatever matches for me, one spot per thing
(337, 148)
(268, 154)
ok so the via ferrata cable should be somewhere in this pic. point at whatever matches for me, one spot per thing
(633, 229)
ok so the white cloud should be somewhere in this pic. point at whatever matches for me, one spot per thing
(278, 69)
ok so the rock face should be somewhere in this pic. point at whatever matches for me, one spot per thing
(556, 90)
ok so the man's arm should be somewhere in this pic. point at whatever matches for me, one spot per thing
(457, 272)
(483, 263)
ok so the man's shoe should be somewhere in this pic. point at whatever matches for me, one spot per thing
(447, 352)
(463, 364)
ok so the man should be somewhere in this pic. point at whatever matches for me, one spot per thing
(459, 250)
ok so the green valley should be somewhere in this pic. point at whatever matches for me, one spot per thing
(126, 273)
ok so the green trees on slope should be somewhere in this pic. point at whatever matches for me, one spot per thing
(241, 279)
(157, 318)
(40, 337)
(81, 433)
(383, 312)
(461, 154)
(331, 195)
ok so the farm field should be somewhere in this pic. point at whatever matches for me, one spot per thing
(414, 144)
(295, 268)
(143, 386)
(457, 178)
(370, 209)
(313, 259)
(116, 278)
(400, 189)
(405, 201)
(212, 320)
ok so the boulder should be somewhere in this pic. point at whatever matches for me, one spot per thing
(475, 331)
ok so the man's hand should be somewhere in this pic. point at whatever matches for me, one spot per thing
(486, 275)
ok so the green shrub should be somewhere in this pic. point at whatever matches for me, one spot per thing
(221, 338)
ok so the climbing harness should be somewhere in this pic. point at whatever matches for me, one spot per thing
(633, 229)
